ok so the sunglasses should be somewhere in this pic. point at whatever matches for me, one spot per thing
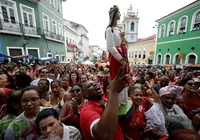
(191, 84)
(75, 90)
(44, 72)
(32, 100)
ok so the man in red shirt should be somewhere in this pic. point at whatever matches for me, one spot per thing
(98, 122)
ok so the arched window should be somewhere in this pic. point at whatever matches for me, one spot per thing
(132, 54)
(176, 59)
(129, 55)
(167, 59)
(159, 57)
(171, 28)
(132, 26)
(182, 25)
(162, 31)
(144, 53)
(192, 59)
(136, 54)
(196, 21)
(140, 53)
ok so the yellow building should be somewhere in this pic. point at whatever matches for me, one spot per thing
(142, 51)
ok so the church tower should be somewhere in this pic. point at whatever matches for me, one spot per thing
(130, 25)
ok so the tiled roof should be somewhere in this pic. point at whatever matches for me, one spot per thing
(146, 39)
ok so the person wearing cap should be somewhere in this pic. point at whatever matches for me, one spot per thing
(117, 50)
(166, 110)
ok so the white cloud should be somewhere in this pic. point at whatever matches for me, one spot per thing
(93, 14)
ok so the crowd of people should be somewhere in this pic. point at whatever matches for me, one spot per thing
(72, 102)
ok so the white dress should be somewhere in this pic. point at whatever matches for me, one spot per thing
(113, 40)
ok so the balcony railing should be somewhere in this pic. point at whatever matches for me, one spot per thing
(31, 30)
(15, 27)
(53, 35)
(10, 26)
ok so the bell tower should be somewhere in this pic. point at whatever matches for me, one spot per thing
(130, 23)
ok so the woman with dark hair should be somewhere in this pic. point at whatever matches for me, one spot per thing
(73, 78)
(117, 50)
(13, 109)
(56, 97)
(190, 96)
(30, 101)
(133, 127)
(22, 80)
(70, 112)
(43, 85)
(48, 122)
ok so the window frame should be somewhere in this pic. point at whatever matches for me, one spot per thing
(193, 20)
(168, 29)
(160, 58)
(49, 28)
(161, 30)
(55, 26)
(58, 56)
(33, 48)
(50, 54)
(60, 33)
(33, 15)
(8, 12)
(179, 24)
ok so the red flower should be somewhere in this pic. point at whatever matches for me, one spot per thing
(107, 66)
(96, 65)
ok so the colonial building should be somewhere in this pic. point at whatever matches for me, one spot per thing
(32, 27)
(178, 36)
(142, 51)
(129, 25)
(76, 41)
(96, 51)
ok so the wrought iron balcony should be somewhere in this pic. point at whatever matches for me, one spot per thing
(30, 30)
(10, 26)
(53, 35)
(18, 28)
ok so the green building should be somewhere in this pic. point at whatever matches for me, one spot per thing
(178, 37)
(32, 27)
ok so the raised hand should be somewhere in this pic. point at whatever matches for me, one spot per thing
(74, 106)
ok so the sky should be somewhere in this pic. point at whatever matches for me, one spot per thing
(93, 15)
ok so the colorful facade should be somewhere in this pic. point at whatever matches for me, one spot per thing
(142, 51)
(178, 37)
(32, 27)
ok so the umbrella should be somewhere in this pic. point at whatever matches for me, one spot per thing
(26, 57)
(3, 55)
(49, 59)
(88, 63)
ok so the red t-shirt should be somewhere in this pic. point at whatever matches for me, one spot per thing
(105, 97)
(75, 121)
(91, 112)
(189, 106)
(135, 127)
(4, 100)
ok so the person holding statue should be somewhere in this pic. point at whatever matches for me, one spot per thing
(116, 46)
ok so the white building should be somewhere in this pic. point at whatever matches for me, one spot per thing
(76, 41)
(96, 51)
(129, 25)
